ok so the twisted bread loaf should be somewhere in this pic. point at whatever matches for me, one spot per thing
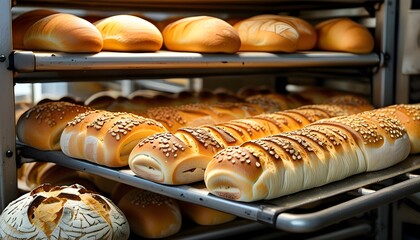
(67, 212)
(106, 138)
(41, 125)
(182, 157)
(320, 153)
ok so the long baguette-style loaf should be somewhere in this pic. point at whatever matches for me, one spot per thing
(182, 156)
(106, 138)
(322, 152)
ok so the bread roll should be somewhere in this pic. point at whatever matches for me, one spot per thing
(307, 33)
(128, 33)
(181, 157)
(203, 215)
(106, 138)
(193, 115)
(202, 34)
(41, 126)
(67, 212)
(151, 215)
(267, 35)
(22, 22)
(63, 32)
(322, 152)
(344, 35)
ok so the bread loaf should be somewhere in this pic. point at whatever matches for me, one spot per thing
(63, 32)
(67, 212)
(129, 33)
(41, 125)
(307, 33)
(181, 157)
(204, 34)
(106, 138)
(322, 152)
(151, 215)
(193, 115)
(267, 35)
(344, 35)
(22, 22)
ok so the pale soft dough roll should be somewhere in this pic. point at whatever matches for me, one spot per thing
(129, 33)
(201, 34)
(63, 32)
(343, 34)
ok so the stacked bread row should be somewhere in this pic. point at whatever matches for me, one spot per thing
(322, 152)
(181, 157)
(49, 30)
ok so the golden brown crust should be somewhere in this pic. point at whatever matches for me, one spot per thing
(201, 34)
(343, 34)
(41, 125)
(129, 33)
(63, 32)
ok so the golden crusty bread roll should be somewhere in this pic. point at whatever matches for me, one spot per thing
(151, 215)
(193, 115)
(267, 35)
(345, 35)
(129, 33)
(22, 22)
(63, 212)
(41, 125)
(104, 137)
(307, 33)
(63, 32)
(204, 34)
(184, 156)
(322, 152)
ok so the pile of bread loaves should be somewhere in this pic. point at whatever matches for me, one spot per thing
(49, 30)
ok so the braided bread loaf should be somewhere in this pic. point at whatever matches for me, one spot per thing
(106, 138)
(182, 156)
(322, 152)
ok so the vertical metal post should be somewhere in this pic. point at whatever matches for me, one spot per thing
(386, 39)
(8, 179)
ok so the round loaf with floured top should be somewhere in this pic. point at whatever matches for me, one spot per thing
(65, 212)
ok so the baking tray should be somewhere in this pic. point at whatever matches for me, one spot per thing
(274, 212)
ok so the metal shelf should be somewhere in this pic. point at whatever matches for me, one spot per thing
(276, 212)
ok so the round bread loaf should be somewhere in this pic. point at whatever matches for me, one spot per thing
(307, 33)
(22, 22)
(151, 215)
(67, 212)
(41, 126)
(129, 33)
(201, 34)
(63, 32)
(267, 35)
(343, 34)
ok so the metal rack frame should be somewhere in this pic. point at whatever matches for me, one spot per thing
(33, 63)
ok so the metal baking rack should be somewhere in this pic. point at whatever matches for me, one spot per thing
(401, 181)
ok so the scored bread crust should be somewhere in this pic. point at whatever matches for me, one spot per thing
(322, 152)
(41, 125)
(181, 157)
(63, 32)
(61, 213)
(203, 34)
